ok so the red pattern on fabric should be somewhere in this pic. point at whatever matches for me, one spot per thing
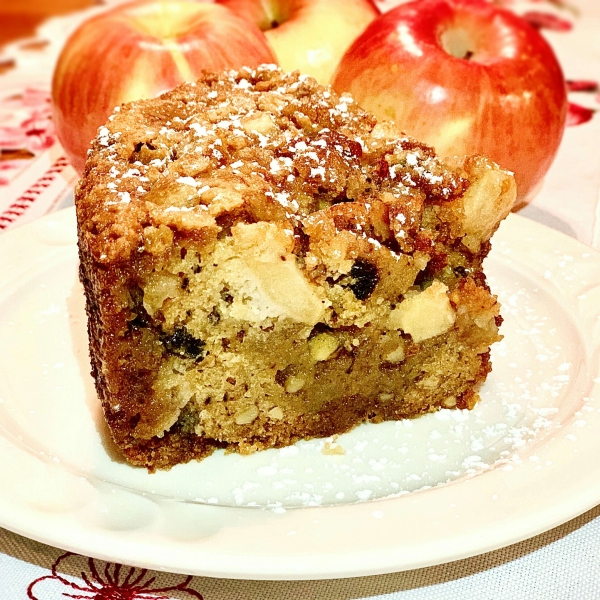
(577, 114)
(116, 582)
(541, 20)
(22, 203)
(582, 85)
(25, 125)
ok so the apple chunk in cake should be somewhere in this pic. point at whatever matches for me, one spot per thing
(263, 261)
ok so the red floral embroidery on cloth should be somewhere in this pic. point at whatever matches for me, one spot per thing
(578, 114)
(106, 581)
(542, 20)
(25, 126)
(582, 85)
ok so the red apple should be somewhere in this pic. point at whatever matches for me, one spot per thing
(466, 77)
(139, 50)
(308, 35)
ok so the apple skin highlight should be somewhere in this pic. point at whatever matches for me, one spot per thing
(308, 35)
(140, 50)
(465, 77)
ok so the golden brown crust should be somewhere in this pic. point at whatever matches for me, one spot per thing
(263, 262)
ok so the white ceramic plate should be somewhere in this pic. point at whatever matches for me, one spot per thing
(403, 495)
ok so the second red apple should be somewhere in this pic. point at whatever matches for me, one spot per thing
(465, 77)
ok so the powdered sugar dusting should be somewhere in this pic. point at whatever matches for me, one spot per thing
(262, 129)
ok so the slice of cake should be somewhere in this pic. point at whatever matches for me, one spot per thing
(263, 261)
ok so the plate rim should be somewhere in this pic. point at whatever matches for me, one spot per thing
(208, 557)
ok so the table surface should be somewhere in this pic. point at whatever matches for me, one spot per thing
(561, 564)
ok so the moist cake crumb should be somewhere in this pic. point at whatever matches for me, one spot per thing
(264, 261)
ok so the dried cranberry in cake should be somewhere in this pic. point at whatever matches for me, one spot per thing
(263, 261)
